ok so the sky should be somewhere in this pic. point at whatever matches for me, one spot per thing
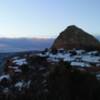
(47, 18)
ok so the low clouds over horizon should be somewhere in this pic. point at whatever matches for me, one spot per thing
(22, 44)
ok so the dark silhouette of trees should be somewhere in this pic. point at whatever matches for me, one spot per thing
(54, 51)
(70, 84)
(25, 68)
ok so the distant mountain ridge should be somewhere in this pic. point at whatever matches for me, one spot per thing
(74, 37)
(24, 44)
(98, 37)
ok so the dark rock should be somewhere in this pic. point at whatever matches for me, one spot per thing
(74, 37)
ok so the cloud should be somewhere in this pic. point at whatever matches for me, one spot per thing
(24, 44)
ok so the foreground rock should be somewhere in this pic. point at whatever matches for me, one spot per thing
(74, 37)
(50, 75)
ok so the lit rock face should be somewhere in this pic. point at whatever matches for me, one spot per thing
(74, 37)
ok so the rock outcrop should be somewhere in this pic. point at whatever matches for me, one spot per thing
(74, 37)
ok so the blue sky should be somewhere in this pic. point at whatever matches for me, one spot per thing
(46, 18)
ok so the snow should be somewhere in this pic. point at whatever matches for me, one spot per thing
(28, 84)
(4, 77)
(43, 55)
(57, 57)
(60, 55)
(80, 64)
(15, 58)
(20, 61)
(80, 59)
(91, 59)
(19, 85)
(81, 56)
(79, 52)
(69, 59)
(52, 55)
(98, 76)
(78, 56)
(22, 84)
(5, 90)
(92, 52)
(15, 68)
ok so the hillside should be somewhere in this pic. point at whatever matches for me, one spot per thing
(51, 75)
(74, 37)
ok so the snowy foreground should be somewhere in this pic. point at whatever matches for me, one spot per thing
(17, 67)
(79, 59)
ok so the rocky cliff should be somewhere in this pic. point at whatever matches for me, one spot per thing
(74, 37)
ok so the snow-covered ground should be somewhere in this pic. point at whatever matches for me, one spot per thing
(79, 58)
(5, 76)
(20, 61)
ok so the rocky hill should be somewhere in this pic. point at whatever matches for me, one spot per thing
(74, 37)
(45, 76)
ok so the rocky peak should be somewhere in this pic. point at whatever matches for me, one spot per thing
(74, 37)
(72, 27)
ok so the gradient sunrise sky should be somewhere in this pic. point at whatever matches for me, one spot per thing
(46, 18)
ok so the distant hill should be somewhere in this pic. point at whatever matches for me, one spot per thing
(98, 37)
(24, 44)
(74, 37)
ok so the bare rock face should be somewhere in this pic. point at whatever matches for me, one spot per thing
(74, 37)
